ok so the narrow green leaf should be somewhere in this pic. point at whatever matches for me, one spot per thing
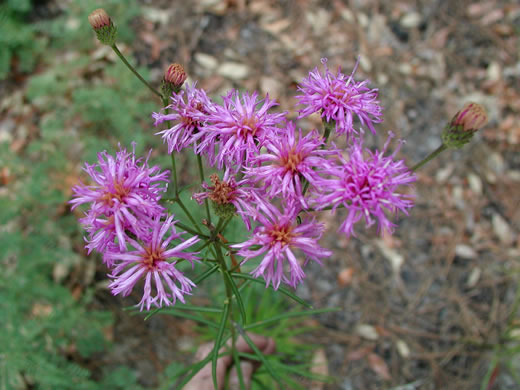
(182, 314)
(281, 289)
(206, 274)
(218, 341)
(188, 186)
(259, 353)
(304, 371)
(244, 285)
(201, 309)
(290, 315)
(260, 384)
(240, 375)
(195, 369)
(240, 303)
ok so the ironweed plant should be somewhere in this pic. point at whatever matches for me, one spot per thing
(270, 176)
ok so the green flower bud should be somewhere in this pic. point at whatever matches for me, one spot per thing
(173, 79)
(102, 24)
(464, 125)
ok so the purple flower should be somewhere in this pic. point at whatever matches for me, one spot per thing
(149, 261)
(291, 159)
(339, 98)
(239, 129)
(125, 194)
(367, 187)
(228, 197)
(190, 110)
(277, 236)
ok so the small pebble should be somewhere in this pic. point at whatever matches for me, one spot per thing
(233, 70)
(206, 61)
(502, 229)
(402, 348)
(465, 252)
(475, 183)
(474, 277)
(411, 20)
(367, 332)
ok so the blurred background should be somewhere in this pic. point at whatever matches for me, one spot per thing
(433, 306)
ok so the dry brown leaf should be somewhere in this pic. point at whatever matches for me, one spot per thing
(378, 365)
(476, 10)
(5, 176)
(156, 44)
(345, 277)
(319, 367)
(359, 353)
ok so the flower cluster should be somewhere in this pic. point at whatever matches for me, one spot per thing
(277, 236)
(340, 99)
(279, 164)
(274, 176)
(367, 186)
(125, 211)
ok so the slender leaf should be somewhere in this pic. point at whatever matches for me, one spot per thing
(281, 289)
(182, 314)
(218, 340)
(260, 355)
(240, 375)
(200, 309)
(195, 369)
(260, 384)
(240, 303)
(290, 315)
(244, 285)
(206, 274)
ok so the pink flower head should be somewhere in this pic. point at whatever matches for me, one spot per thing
(339, 98)
(291, 158)
(126, 192)
(228, 197)
(367, 187)
(190, 110)
(239, 128)
(149, 261)
(277, 236)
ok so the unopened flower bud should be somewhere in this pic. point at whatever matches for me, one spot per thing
(98, 18)
(464, 125)
(103, 26)
(174, 77)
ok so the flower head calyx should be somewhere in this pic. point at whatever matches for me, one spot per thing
(102, 24)
(464, 125)
(174, 77)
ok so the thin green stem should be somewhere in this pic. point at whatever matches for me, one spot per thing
(174, 175)
(190, 217)
(224, 226)
(430, 157)
(201, 174)
(229, 292)
(192, 231)
(328, 129)
(122, 57)
(326, 134)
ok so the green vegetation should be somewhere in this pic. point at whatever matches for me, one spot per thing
(65, 117)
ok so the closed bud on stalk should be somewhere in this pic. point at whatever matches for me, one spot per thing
(102, 24)
(174, 77)
(464, 125)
